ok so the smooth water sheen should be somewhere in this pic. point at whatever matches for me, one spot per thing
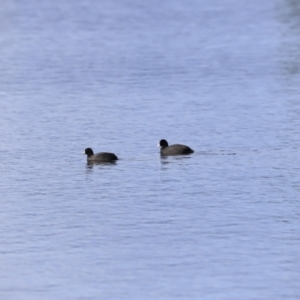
(221, 76)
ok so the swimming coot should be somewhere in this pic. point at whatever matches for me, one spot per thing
(175, 149)
(99, 157)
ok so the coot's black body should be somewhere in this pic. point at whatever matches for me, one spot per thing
(99, 157)
(176, 149)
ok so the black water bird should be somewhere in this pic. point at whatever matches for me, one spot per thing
(176, 149)
(99, 157)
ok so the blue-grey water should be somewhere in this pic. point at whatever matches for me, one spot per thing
(221, 76)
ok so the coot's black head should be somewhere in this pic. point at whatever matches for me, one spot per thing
(88, 152)
(163, 143)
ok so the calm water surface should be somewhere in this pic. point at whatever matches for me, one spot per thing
(220, 76)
